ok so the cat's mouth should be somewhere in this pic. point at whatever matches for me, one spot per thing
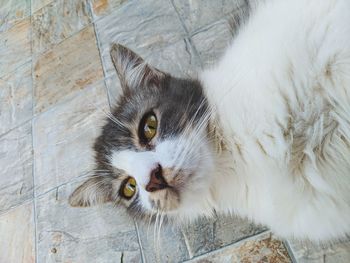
(164, 189)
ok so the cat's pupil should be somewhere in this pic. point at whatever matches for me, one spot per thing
(129, 188)
(149, 123)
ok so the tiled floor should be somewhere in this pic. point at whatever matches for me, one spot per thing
(56, 81)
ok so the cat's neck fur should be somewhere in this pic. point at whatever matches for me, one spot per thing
(257, 91)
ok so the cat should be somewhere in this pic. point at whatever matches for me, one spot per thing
(263, 134)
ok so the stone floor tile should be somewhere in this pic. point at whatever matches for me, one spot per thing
(58, 21)
(199, 13)
(13, 11)
(101, 8)
(63, 138)
(144, 26)
(17, 243)
(38, 4)
(260, 248)
(338, 252)
(114, 89)
(69, 67)
(15, 47)
(97, 234)
(178, 59)
(16, 175)
(16, 98)
(211, 41)
(206, 235)
(164, 245)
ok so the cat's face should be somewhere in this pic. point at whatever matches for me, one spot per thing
(154, 153)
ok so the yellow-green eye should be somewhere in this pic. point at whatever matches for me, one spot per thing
(148, 128)
(129, 187)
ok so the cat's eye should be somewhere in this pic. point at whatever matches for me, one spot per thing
(129, 187)
(148, 127)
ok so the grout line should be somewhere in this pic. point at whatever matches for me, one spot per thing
(97, 40)
(11, 208)
(207, 27)
(187, 243)
(67, 99)
(238, 9)
(45, 5)
(34, 195)
(8, 27)
(194, 49)
(15, 127)
(50, 48)
(290, 251)
(54, 45)
(143, 260)
(93, 21)
(235, 244)
(180, 18)
(33, 152)
(11, 72)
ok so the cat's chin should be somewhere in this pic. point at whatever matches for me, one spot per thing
(166, 200)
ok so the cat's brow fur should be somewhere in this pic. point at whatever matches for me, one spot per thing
(264, 134)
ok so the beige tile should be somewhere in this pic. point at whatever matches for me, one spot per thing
(13, 11)
(38, 4)
(16, 98)
(63, 138)
(101, 8)
(261, 248)
(71, 66)
(337, 252)
(15, 48)
(57, 21)
(16, 159)
(17, 243)
(96, 234)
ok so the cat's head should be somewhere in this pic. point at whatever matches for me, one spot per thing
(155, 152)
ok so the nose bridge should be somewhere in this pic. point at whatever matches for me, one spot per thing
(141, 165)
(166, 152)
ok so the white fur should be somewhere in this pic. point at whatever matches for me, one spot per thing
(281, 96)
(286, 51)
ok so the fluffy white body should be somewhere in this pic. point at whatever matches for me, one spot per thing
(279, 118)
(281, 93)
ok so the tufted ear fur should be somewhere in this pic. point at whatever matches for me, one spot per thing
(95, 190)
(132, 70)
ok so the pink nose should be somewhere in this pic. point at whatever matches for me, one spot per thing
(157, 181)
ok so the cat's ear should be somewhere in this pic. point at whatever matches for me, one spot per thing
(132, 70)
(96, 190)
